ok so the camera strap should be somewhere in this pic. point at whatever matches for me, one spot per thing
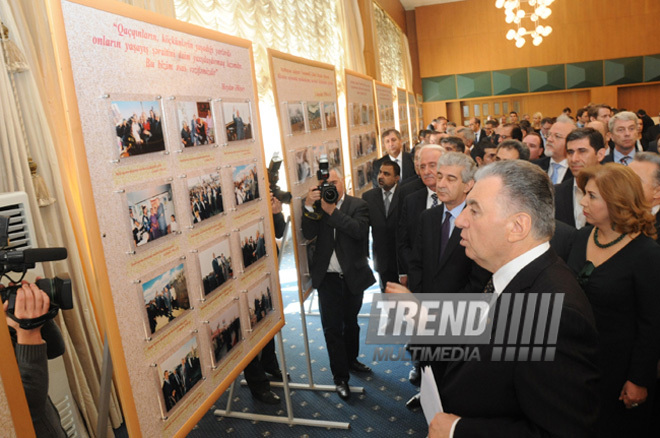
(32, 323)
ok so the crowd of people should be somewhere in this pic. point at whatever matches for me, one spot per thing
(206, 200)
(592, 215)
(140, 134)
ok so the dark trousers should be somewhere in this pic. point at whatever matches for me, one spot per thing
(339, 309)
(385, 276)
(255, 372)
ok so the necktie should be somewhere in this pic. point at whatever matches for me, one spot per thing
(490, 287)
(555, 172)
(435, 200)
(624, 160)
(399, 162)
(387, 202)
(444, 233)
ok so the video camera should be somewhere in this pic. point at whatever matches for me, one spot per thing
(57, 289)
(328, 191)
(274, 177)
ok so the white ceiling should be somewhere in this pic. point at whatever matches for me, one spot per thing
(410, 5)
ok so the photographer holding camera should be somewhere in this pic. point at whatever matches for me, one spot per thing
(33, 347)
(339, 224)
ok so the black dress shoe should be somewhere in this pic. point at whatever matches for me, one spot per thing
(268, 397)
(343, 390)
(414, 402)
(277, 376)
(415, 376)
(359, 367)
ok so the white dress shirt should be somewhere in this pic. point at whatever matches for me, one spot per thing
(578, 215)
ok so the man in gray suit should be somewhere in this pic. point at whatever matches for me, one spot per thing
(340, 272)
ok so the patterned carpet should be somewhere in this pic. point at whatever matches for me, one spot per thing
(379, 412)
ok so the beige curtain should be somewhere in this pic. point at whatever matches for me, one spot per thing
(393, 51)
(30, 124)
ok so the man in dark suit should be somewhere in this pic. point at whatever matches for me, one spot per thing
(413, 205)
(623, 133)
(479, 134)
(506, 227)
(384, 218)
(584, 147)
(391, 139)
(340, 272)
(647, 166)
(556, 165)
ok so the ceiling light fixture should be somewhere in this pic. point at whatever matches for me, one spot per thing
(515, 14)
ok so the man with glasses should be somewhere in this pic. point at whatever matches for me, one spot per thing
(509, 131)
(556, 164)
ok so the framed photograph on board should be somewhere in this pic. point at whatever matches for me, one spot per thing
(225, 330)
(196, 127)
(151, 214)
(314, 116)
(260, 301)
(334, 154)
(246, 183)
(330, 114)
(165, 296)
(296, 117)
(253, 243)
(205, 194)
(303, 168)
(238, 120)
(179, 372)
(215, 265)
(138, 127)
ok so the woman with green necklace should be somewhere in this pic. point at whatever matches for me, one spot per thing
(618, 265)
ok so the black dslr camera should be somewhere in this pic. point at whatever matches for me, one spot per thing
(328, 191)
(57, 289)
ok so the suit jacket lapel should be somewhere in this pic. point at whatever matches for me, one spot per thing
(454, 240)
(394, 201)
(438, 212)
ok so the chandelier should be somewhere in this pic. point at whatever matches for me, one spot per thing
(515, 14)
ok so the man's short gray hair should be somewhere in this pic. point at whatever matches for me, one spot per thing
(432, 147)
(624, 116)
(338, 171)
(527, 189)
(462, 160)
(467, 133)
(650, 157)
(565, 119)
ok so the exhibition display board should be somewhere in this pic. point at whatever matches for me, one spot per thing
(403, 120)
(412, 116)
(174, 202)
(306, 98)
(361, 116)
(385, 111)
(420, 113)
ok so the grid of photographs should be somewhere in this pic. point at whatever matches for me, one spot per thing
(151, 212)
(361, 114)
(260, 302)
(179, 373)
(238, 120)
(138, 127)
(386, 113)
(246, 183)
(253, 243)
(165, 297)
(205, 194)
(225, 331)
(363, 144)
(403, 112)
(195, 123)
(215, 265)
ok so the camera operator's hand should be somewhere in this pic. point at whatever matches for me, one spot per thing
(31, 302)
(327, 207)
(275, 204)
(313, 195)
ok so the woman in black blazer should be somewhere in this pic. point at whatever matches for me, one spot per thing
(618, 265)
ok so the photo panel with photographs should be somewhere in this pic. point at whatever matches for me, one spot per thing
(215, 265)
(246, 183)
(225, 330)
(402, 113)
(253, 243)
(179, 372)
(296, 117)
(151, 214)
(316, 158)
(314, 116)
(196, 127)
(356, 146)
(260, 299)
(238, 120)
(165, 297)
(372, 143)
(330, 114)
(303, 166)
(361, 181)
(368, 171)
(205, 196)
(138, 127)
(334, 154)
(372, 115)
